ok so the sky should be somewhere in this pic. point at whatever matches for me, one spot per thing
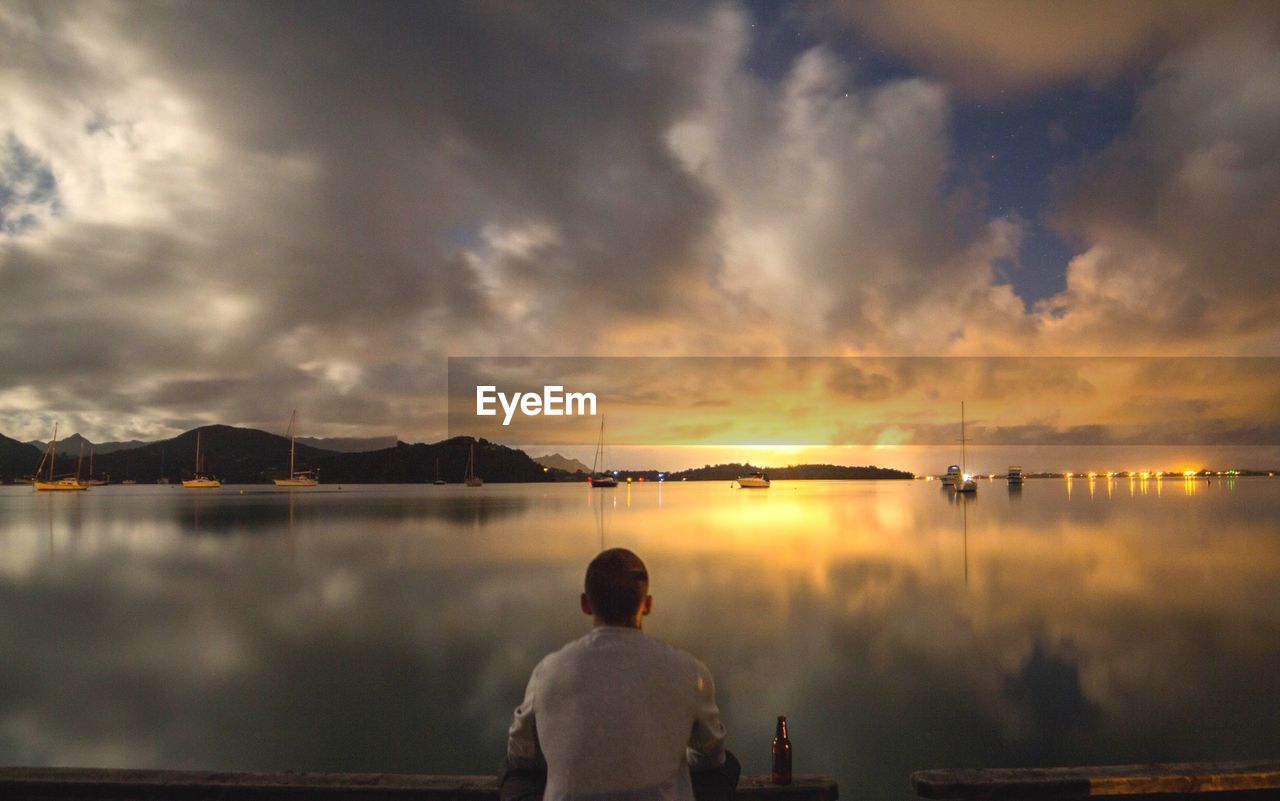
(220, 212)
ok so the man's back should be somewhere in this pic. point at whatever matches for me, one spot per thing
(615, 711)
(616, 715)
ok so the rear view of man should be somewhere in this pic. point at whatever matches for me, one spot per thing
(617, 715)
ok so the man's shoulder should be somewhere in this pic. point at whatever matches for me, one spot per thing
(634, 640)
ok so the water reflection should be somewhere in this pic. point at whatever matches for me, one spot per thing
(345, 630)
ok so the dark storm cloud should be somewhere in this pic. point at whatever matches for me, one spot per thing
(340, 186)
(428, 121)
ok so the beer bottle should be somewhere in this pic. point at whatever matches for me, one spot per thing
(781, 753)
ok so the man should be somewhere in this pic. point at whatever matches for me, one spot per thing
(617, 715)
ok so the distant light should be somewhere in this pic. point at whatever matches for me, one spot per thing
(1189, 473)
(1092, 474)
(640, 479)
(1068, 475)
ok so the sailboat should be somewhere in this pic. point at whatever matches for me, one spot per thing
(306, 478)
(601, 478)
(439, 481)
(91, 481)
(200, 481)
(60, 484)
(472, 480)
(965, 482)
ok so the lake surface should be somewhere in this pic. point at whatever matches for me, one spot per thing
(394, 628)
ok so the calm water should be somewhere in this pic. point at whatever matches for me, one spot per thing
(393, 628)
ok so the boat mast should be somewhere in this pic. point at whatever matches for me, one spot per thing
(963, 471)
(197, 454)
(291, 438)
(598, 461)
(53, 450)
(79, 461)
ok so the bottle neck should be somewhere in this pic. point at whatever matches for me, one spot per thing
(782, 728)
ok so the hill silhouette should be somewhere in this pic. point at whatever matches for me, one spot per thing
(250, 456)
(17, 459)
(70, 445)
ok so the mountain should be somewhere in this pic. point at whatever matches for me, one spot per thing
(558, 462)
(351, 444)
(18, 460)
(234, 455)
(70, 446)
(249, 456)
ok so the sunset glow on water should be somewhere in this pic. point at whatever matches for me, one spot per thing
(895, 624)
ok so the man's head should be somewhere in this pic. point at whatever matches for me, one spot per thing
(617, 589)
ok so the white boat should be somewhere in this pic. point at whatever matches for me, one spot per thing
(755, 480)
(306, 478)
(952, 476)
(966, 482)
(471, 479)
(600, 478)
(51, 484)
(1014, 477)
(200, 481)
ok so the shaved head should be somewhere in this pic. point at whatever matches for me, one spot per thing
(617, 583)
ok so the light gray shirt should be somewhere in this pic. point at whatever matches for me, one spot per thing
(619, 716)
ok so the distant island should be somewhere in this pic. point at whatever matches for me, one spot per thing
(801, 472)
(250, 456)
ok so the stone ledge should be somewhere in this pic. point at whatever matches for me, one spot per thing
(100, 784)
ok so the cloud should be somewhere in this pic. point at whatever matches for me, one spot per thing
(246, 192)
(214, 211)
(1177, 215)
(245, 189)
(835, 229)
(989, 47)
